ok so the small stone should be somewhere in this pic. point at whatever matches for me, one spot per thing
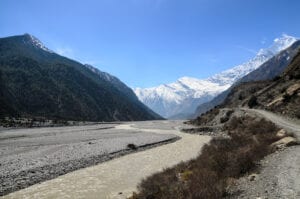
(120, 193)
(252, 177)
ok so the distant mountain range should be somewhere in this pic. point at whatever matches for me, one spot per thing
(180, 99)
(36, 82)
(279, 95)
(267, 71)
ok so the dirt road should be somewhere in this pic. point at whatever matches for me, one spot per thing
(280, 172)
(291, 125)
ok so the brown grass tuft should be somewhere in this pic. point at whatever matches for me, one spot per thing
(220, 162)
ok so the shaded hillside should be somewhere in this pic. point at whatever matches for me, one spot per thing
(267, 71)
(280, 95)
(35, 82)
(283, 96)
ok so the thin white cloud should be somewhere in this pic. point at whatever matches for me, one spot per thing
(263, 41)
(213, 60)
(288, 35)
(94, 62)
(247, 49)
(65, 51)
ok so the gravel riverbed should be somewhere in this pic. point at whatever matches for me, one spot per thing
(30, 156)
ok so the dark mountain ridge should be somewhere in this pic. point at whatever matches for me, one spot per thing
(36, 82)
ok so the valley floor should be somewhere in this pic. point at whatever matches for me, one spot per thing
(27, 153)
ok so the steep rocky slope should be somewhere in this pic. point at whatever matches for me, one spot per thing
(280, 95)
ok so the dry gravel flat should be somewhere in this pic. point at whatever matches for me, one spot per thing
(30, 156)
(117, 178)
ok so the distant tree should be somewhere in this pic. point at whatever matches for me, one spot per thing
(252, 101)
(286, 97)
(276, 78)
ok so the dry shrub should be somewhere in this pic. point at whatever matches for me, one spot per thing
(205, 184)
(252, 102)
(221, 160)
(206, 117)
(132, 146)
(162, 185)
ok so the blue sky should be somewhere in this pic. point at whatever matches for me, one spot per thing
(149, 42)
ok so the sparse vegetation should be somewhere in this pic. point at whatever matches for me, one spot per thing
(276, 78)
(226, 117)
(21, 122)
(252, 101)
(286, 97)
(220, 162)
(205, 118)
(132, 146)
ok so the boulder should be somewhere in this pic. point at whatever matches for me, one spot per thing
(292, 89)
(281, 133)
(284, 142)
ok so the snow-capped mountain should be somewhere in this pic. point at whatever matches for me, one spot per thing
(36, 42)
(181, 98)
(232, 75)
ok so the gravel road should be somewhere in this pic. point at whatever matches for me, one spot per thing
(30, 156)
(291, 125)
(279, 177)
(117, 178)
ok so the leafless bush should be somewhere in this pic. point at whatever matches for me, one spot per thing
(221, 160)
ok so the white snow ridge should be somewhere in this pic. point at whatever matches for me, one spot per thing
(37, 43)
(181, 98)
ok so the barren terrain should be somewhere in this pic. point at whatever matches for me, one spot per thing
(112, 179)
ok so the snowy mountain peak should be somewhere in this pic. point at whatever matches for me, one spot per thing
(36, 42)
(283, 42)
(188, 80)
(279, 44)
(232, 75)
(185, 94)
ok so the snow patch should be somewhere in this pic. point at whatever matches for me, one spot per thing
(37, 43)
